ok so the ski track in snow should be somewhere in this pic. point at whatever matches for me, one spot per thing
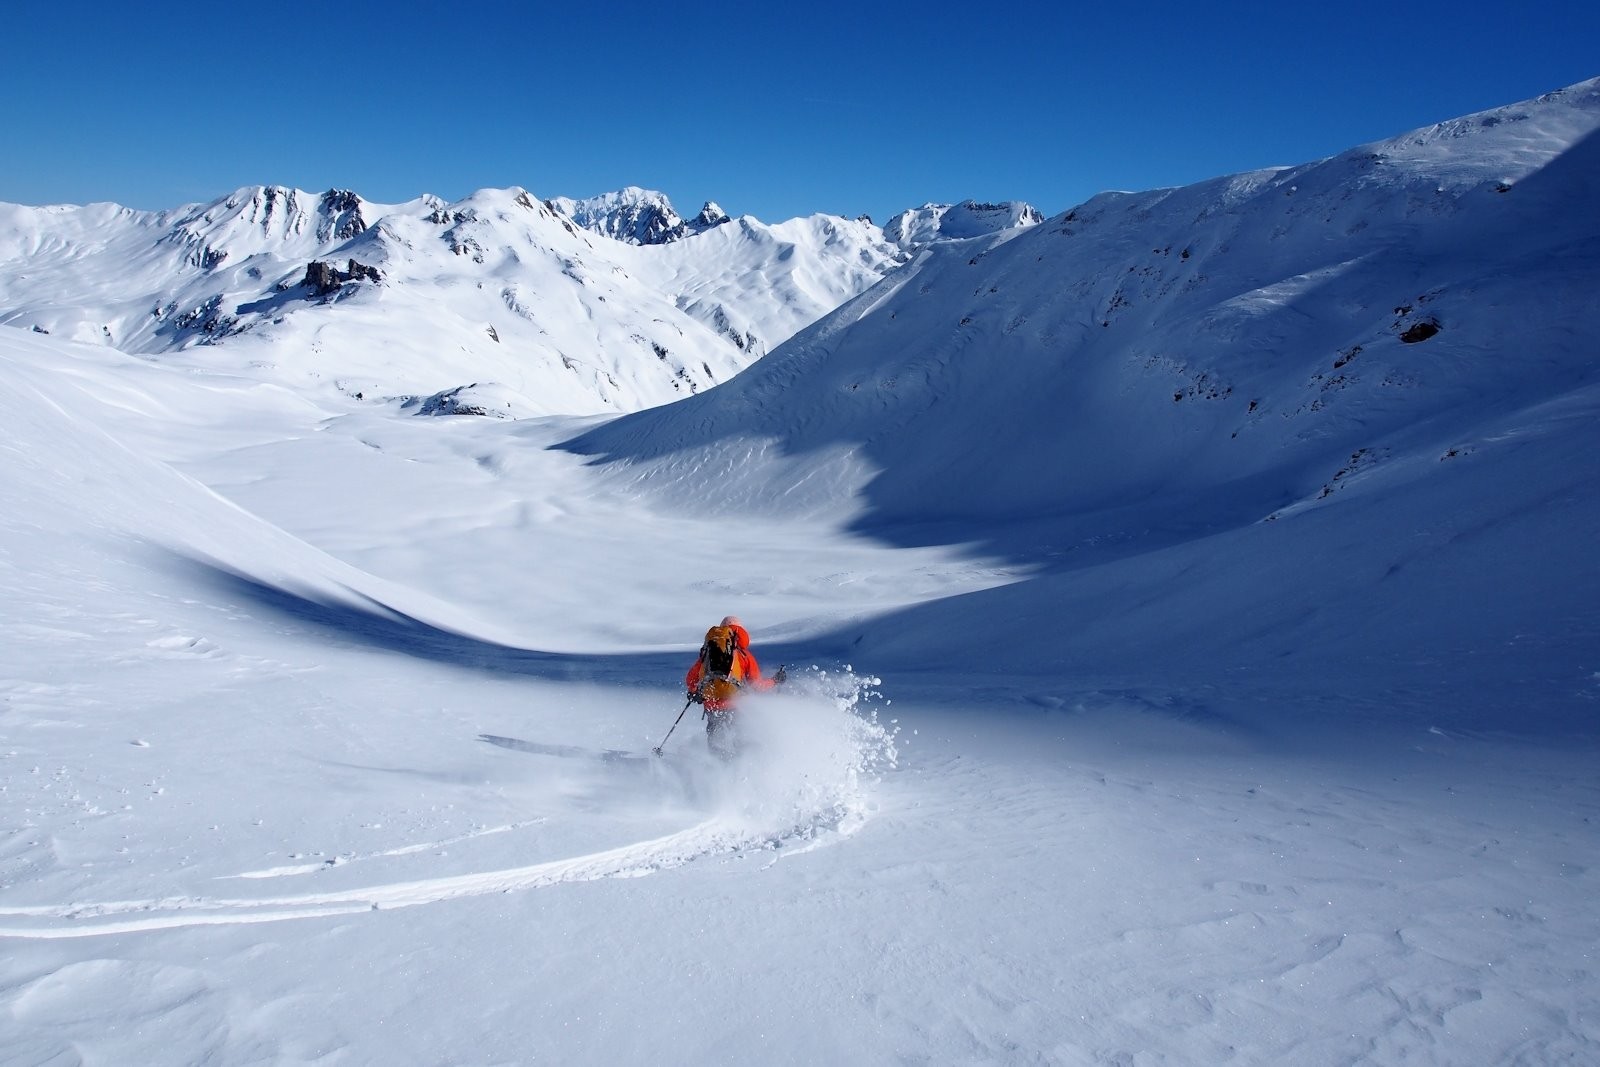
(711, 837)
(405, 850)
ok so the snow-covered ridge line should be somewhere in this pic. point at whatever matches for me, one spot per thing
(638, 216)
(931, 223)
(499, 290)
(500, 303)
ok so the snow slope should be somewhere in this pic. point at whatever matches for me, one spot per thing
(1235, 384)
(1114, 738)
(265, 808)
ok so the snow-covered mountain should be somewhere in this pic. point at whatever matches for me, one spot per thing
(1188, 603)
(1182, 373)
(930, 223)
(637, 216)
(424, 298)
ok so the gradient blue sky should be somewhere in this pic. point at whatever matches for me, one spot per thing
(771, 111)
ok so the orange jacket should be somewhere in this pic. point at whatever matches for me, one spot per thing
(749, 671)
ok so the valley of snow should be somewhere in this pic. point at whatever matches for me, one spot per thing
(1190, 602)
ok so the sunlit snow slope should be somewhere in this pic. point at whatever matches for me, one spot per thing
(1333, 421)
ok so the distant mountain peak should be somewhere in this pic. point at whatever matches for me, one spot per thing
(949, 222)
(341, 215)
(637, 216)
(276, 212)
(711, 215)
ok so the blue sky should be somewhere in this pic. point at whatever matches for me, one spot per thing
(796, 109)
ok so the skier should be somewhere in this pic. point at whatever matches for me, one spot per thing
(725, 668)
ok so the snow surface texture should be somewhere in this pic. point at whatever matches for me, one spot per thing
(1188, 666)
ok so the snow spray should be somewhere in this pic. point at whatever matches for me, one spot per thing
(809, 753)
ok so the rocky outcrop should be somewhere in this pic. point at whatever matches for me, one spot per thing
(339, 216)
(324, 279)
(710, 216)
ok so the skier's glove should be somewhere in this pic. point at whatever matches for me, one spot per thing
(781, 676)
(694, 696)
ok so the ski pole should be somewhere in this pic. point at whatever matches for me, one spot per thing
(675, 722)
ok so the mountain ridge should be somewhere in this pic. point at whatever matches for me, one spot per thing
(1277, 359)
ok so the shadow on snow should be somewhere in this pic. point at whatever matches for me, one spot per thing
(356, 619)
